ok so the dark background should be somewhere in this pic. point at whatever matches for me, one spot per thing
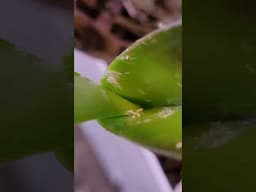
(45, 29)
(219, 86)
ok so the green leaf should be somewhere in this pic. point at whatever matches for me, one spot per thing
(150, 71)
(158, 128)
(92, 101)
(149, 75)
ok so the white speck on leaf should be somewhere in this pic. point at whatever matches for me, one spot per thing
(135, 113)
(147, 120)
(113, 77)
(141, 92)
(166, 112)
(179, 145)
(127, 57)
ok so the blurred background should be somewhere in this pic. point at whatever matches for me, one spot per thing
(45, 29)
(104, 28)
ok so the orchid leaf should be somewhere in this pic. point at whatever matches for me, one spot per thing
(93, 102)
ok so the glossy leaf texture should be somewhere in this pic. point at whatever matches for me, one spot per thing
(139, 97)
(149, 72)
(158, 129)
(93, 102)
